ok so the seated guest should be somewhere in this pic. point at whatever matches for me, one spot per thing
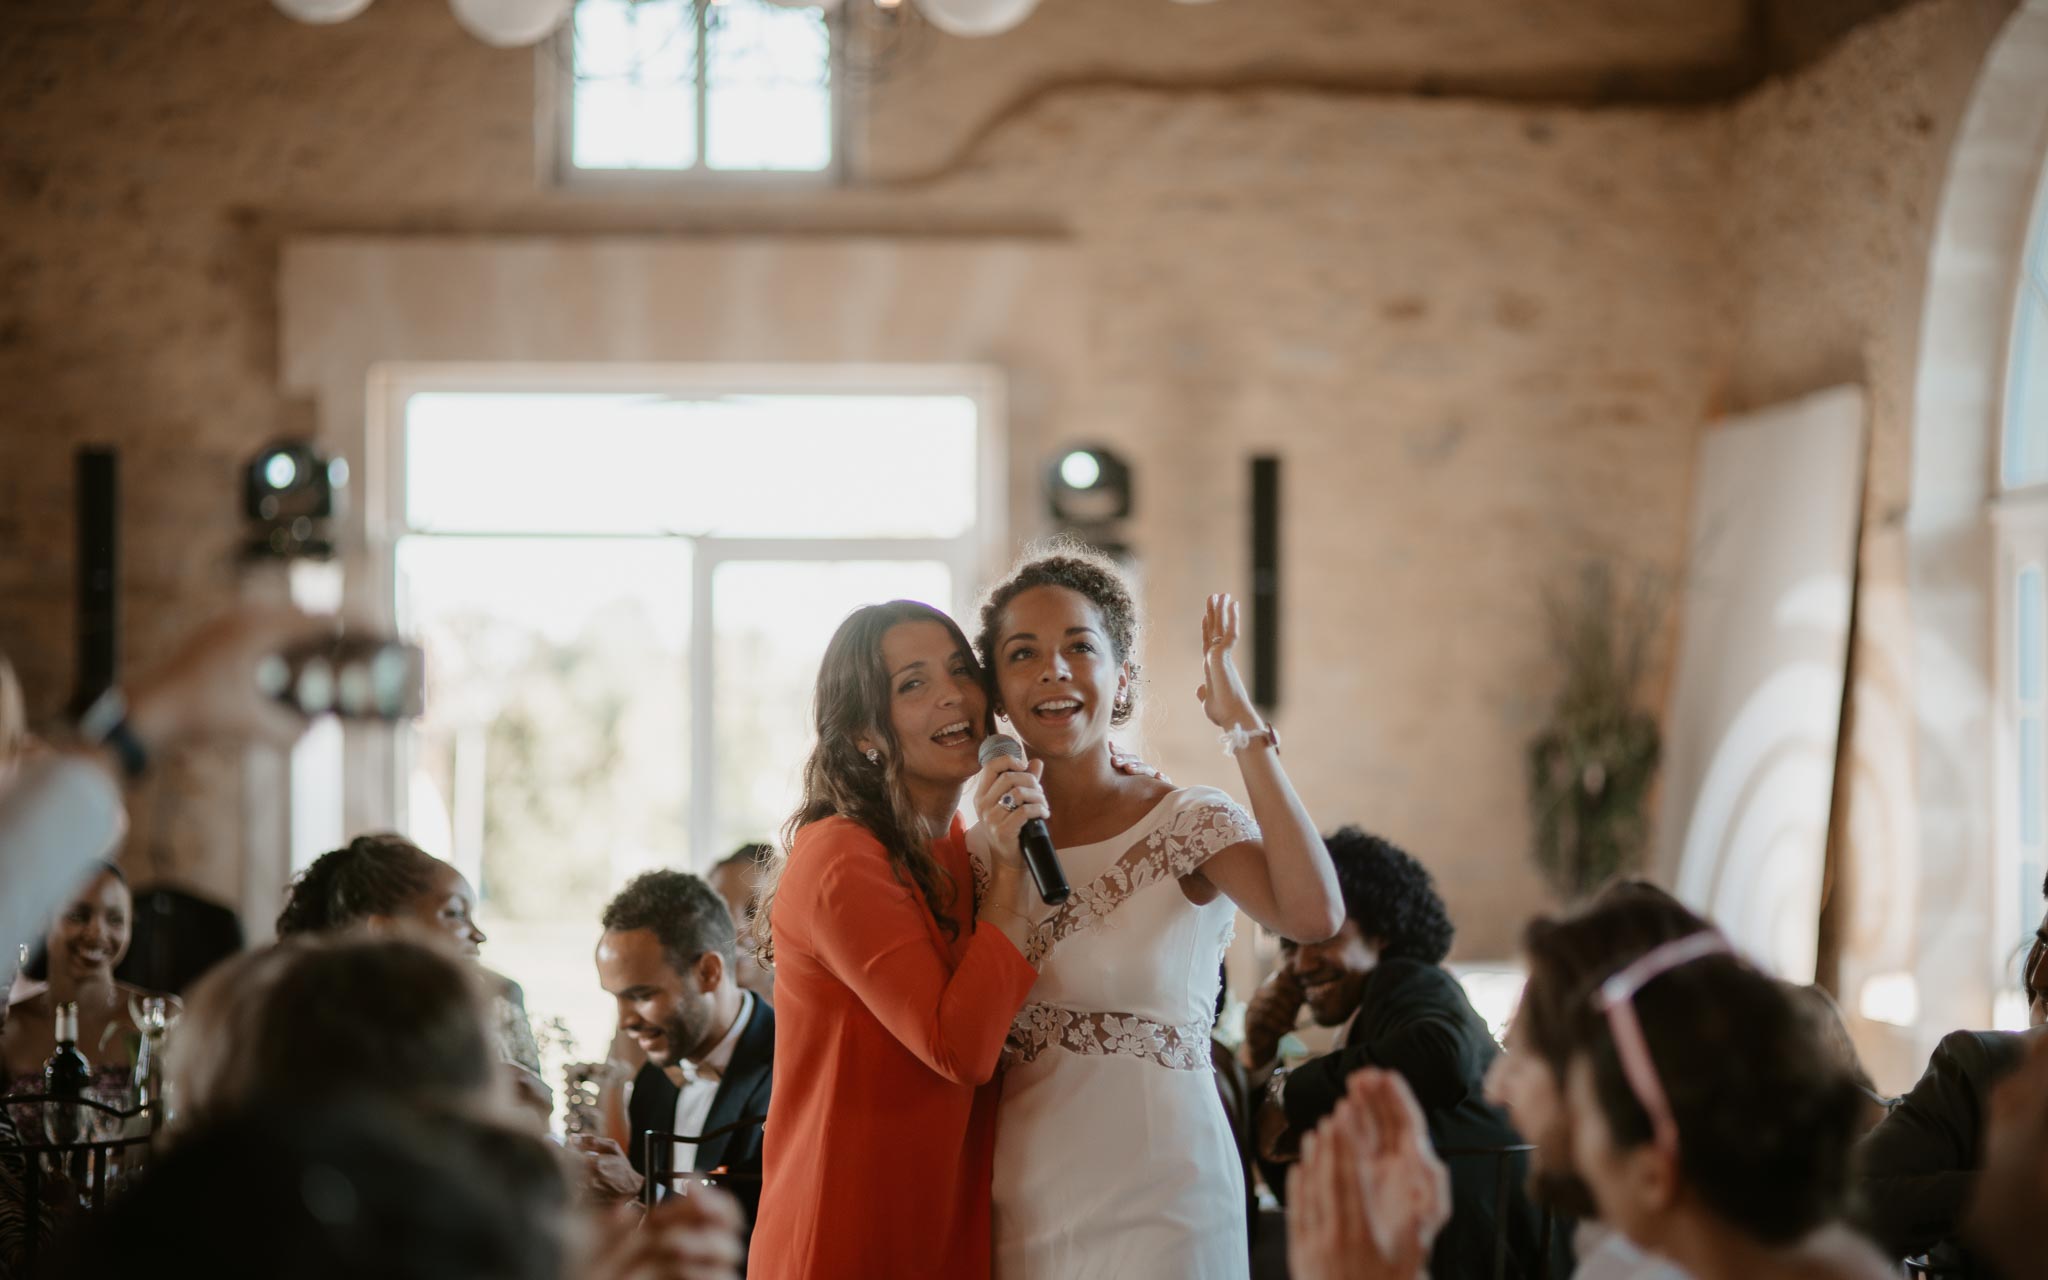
(391, 1015)
(1381, 979)
(349, 1188)
(345, 1187)
(2010, 1201)
(667, 957)
(76, 965)
(737, 879)
(1917, 1168)
(397, 1025)
(376, 881)
(1566, 957)
(1712, 1122)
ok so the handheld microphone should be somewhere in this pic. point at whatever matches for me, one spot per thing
(1033, 840)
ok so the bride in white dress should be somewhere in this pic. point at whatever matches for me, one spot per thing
(1113, 1156)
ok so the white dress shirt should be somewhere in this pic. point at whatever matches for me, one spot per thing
(700, 1085)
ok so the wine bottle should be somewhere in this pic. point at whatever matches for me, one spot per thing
(66, 1075)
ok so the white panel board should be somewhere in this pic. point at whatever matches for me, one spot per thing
(1749, 758)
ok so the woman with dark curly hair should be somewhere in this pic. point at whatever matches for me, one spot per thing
(1112, 1157)
(376, 881)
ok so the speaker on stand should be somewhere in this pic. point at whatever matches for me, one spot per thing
(1265, 594)
(98, 501)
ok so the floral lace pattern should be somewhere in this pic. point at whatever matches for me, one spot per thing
(1042, 1026)
(1173, 848)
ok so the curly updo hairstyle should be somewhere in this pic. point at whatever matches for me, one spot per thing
(1088, 573)
(1390, 896)
(374, 875)
(1766, 1113)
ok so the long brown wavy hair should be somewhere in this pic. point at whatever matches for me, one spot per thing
(851, 703)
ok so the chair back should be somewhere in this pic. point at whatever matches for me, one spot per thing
(1504, 1159)
(1928, 1267)
(74, 1178)
(658, 1151)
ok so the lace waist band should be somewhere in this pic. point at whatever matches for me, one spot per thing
(1043, 1026)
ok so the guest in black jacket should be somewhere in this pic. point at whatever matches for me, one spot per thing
(667, 956)
(1916, 1169)
(1381, 979)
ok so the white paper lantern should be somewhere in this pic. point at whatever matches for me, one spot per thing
(321, 11)
(976, 17)
(509, 24)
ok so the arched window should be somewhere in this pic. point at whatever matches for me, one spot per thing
(2021, 516)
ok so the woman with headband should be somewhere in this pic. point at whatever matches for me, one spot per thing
(1710, 1120)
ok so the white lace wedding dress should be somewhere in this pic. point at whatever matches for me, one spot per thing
(1113, 1156)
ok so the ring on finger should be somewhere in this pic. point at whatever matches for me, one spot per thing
(1009, 801)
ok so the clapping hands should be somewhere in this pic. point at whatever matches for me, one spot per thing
(1369, 1195)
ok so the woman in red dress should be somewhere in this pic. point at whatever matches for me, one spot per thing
(893, 991)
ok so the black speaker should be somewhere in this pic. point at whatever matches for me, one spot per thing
(99, 573)
(1265, 598)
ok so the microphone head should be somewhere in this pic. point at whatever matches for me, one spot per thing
(1001, 744)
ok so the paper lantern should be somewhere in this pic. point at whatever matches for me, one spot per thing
(976, 17)
(321, 11)
(509, 24)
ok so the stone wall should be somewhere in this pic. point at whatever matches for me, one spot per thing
(1482, 327)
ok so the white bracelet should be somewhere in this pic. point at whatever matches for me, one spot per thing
(1236, 739)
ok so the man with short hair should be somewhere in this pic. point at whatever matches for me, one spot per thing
(667, 956)
(737, 879)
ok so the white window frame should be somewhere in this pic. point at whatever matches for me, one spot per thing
(555, 80)
(972, 557)
(2019, 525)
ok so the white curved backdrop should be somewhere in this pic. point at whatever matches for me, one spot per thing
(1757, 705)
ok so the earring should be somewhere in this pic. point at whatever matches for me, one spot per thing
(874, 755)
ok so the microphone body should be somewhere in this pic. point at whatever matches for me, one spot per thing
(1033, 840)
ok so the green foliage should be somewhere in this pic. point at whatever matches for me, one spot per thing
(585, 757)
(1591, 768)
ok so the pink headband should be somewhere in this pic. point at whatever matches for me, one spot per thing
(1617, 1001)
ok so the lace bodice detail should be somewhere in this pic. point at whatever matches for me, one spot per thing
(1128, 964)
(1043, 1026)
(1174, 848)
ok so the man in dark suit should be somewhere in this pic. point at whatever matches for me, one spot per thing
(1917, 1168)
(1381, 980)
(667, 956)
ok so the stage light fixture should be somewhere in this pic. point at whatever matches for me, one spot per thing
(1089, 486)
(288, 490)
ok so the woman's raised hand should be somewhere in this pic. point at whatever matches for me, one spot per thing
(1222, 694)
(1006, 796)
